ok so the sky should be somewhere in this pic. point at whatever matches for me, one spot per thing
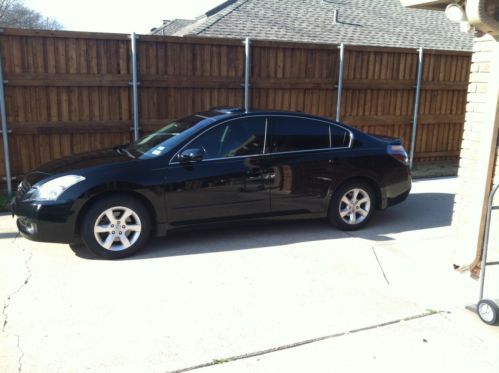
(119, 16)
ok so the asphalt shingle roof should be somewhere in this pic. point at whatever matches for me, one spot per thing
(173, 26)
(360, 22)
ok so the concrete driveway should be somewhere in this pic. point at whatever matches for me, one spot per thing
(295, 296)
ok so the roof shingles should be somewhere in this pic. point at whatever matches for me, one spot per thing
(360, 22)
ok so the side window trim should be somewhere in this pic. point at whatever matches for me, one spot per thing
(265, 135)
(267, 128)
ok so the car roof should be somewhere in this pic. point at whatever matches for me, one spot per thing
(224, 112)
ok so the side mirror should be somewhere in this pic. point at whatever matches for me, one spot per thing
(191, 155)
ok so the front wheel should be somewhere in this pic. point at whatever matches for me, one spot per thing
(488, 311)
(352, 205)
(115, 227)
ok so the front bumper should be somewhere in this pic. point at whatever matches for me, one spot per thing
(51, 221)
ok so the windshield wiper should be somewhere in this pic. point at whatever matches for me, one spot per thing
(128, 153)
(122, 149)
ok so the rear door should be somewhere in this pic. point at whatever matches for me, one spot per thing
(229, 182)
(301, 163)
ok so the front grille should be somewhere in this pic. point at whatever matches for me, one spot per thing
(22, 189)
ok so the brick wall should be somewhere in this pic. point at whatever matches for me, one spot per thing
(479, 152)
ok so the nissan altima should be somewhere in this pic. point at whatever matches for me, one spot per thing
(219, 166)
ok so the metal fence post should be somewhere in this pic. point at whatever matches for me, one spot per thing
(5, 133)
(247, 68)
(135, 91)
(340, 82)
(416, 106)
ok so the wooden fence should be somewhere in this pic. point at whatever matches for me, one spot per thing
(69, 92)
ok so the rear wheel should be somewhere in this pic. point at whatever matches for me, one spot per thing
(115, 227)
(352, 205)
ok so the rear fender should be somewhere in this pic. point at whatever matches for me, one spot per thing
(379, 190)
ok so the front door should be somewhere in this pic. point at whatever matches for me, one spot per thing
(229, 183)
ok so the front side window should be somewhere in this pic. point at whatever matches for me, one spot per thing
(240, 137)
(293, 134)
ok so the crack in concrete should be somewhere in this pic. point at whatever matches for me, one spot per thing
(8, 301)
(21, 355)
(380, 266)
(374, 252)
(300, 343)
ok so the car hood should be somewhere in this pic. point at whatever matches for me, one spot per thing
(78, 162)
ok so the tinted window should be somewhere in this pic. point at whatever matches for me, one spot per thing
(292, 134)
(236, 138)
(339, 137)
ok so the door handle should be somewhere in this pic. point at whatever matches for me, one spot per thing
(254, 172)
(334, 162)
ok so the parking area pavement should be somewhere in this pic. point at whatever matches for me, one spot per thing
(291, 296)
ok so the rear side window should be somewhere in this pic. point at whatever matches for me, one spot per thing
(340, 138)
(239, 137)
(292, 134)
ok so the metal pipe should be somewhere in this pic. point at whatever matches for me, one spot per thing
(485, 246)
(340, 82)
(335, 16)
(5, 133)
(247, 67)
(416, 106)
(135, 91)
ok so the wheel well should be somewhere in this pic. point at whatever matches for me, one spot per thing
(137, 196)
(373, 184)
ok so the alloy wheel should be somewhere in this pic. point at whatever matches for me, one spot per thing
(355, 206)
(117, 228)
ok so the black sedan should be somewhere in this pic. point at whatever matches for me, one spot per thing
(218, 166)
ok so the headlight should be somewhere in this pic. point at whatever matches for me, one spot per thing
(51, 190)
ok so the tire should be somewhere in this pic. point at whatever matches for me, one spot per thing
(106, 235)
(352, 205)
(488, 311)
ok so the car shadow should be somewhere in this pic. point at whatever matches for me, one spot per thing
(419, 212)
(8, 234)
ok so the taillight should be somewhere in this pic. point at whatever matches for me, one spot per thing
(398, 152)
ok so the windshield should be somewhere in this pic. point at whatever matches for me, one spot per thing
(166, 138)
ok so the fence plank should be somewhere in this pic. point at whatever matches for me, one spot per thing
(69, 91)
